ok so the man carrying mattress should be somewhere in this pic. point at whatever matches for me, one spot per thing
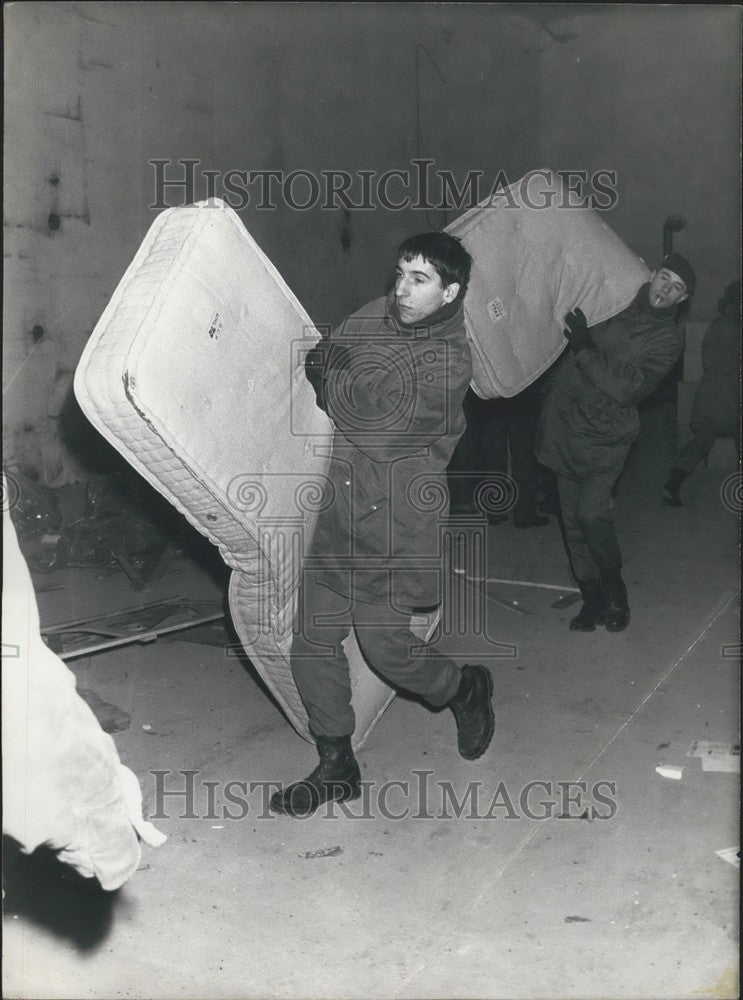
(392, 377)
(590, 419)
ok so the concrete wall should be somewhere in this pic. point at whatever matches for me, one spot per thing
(96, 91)
(92, 91)
(653, 92)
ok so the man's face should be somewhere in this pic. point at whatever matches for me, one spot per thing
(666, 289)
(419, 291)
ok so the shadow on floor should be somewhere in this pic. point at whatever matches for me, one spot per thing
(52, 895)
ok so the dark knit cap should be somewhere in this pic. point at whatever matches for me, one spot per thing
(681, 266)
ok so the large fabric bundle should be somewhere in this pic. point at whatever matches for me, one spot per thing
(63, 783)
(534, 260)
(195, 374)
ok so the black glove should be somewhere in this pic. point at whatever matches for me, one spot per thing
(322, 359)
(314, 369)
(576, 330)
(326, 356)
(317, 356)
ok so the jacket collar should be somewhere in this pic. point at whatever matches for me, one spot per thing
(642, 300)
(439, 324)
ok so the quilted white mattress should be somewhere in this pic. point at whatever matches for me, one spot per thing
(530, 267)
(194, 373)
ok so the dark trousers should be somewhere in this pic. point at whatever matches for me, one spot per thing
(590, 535)
(522, 419)
(495, 427)
(692, 454)
(320, 667)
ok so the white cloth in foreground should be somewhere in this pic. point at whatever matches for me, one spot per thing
(63, 783)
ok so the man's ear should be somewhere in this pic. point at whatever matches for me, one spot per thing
(451, 291)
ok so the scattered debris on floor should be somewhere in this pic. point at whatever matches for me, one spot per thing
(731, 855)
(481, 583)
(124, 525)
(118, 526)
(566, 601)
(717, 756)
(209, 634)
(110, 718)
(577, 920)
(670, 771)
(141, 623)
(37, 519)
(328, 852)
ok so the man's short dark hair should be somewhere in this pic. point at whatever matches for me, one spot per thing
(443, 252)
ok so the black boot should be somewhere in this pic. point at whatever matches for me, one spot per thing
(335, 779)
(473, 709)
(616, 608)
(671, 491)
(592, 612)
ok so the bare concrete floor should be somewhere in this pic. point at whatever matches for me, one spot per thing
(559, 865)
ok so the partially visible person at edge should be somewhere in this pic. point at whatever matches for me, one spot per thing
(64, 786)
(716, 409)
(590, 420)
(392, 377)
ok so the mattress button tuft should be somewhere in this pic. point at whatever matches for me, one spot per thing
(211, 517)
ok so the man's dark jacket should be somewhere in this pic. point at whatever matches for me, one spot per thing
(590, 419)
(717, 401)
(394, 392)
